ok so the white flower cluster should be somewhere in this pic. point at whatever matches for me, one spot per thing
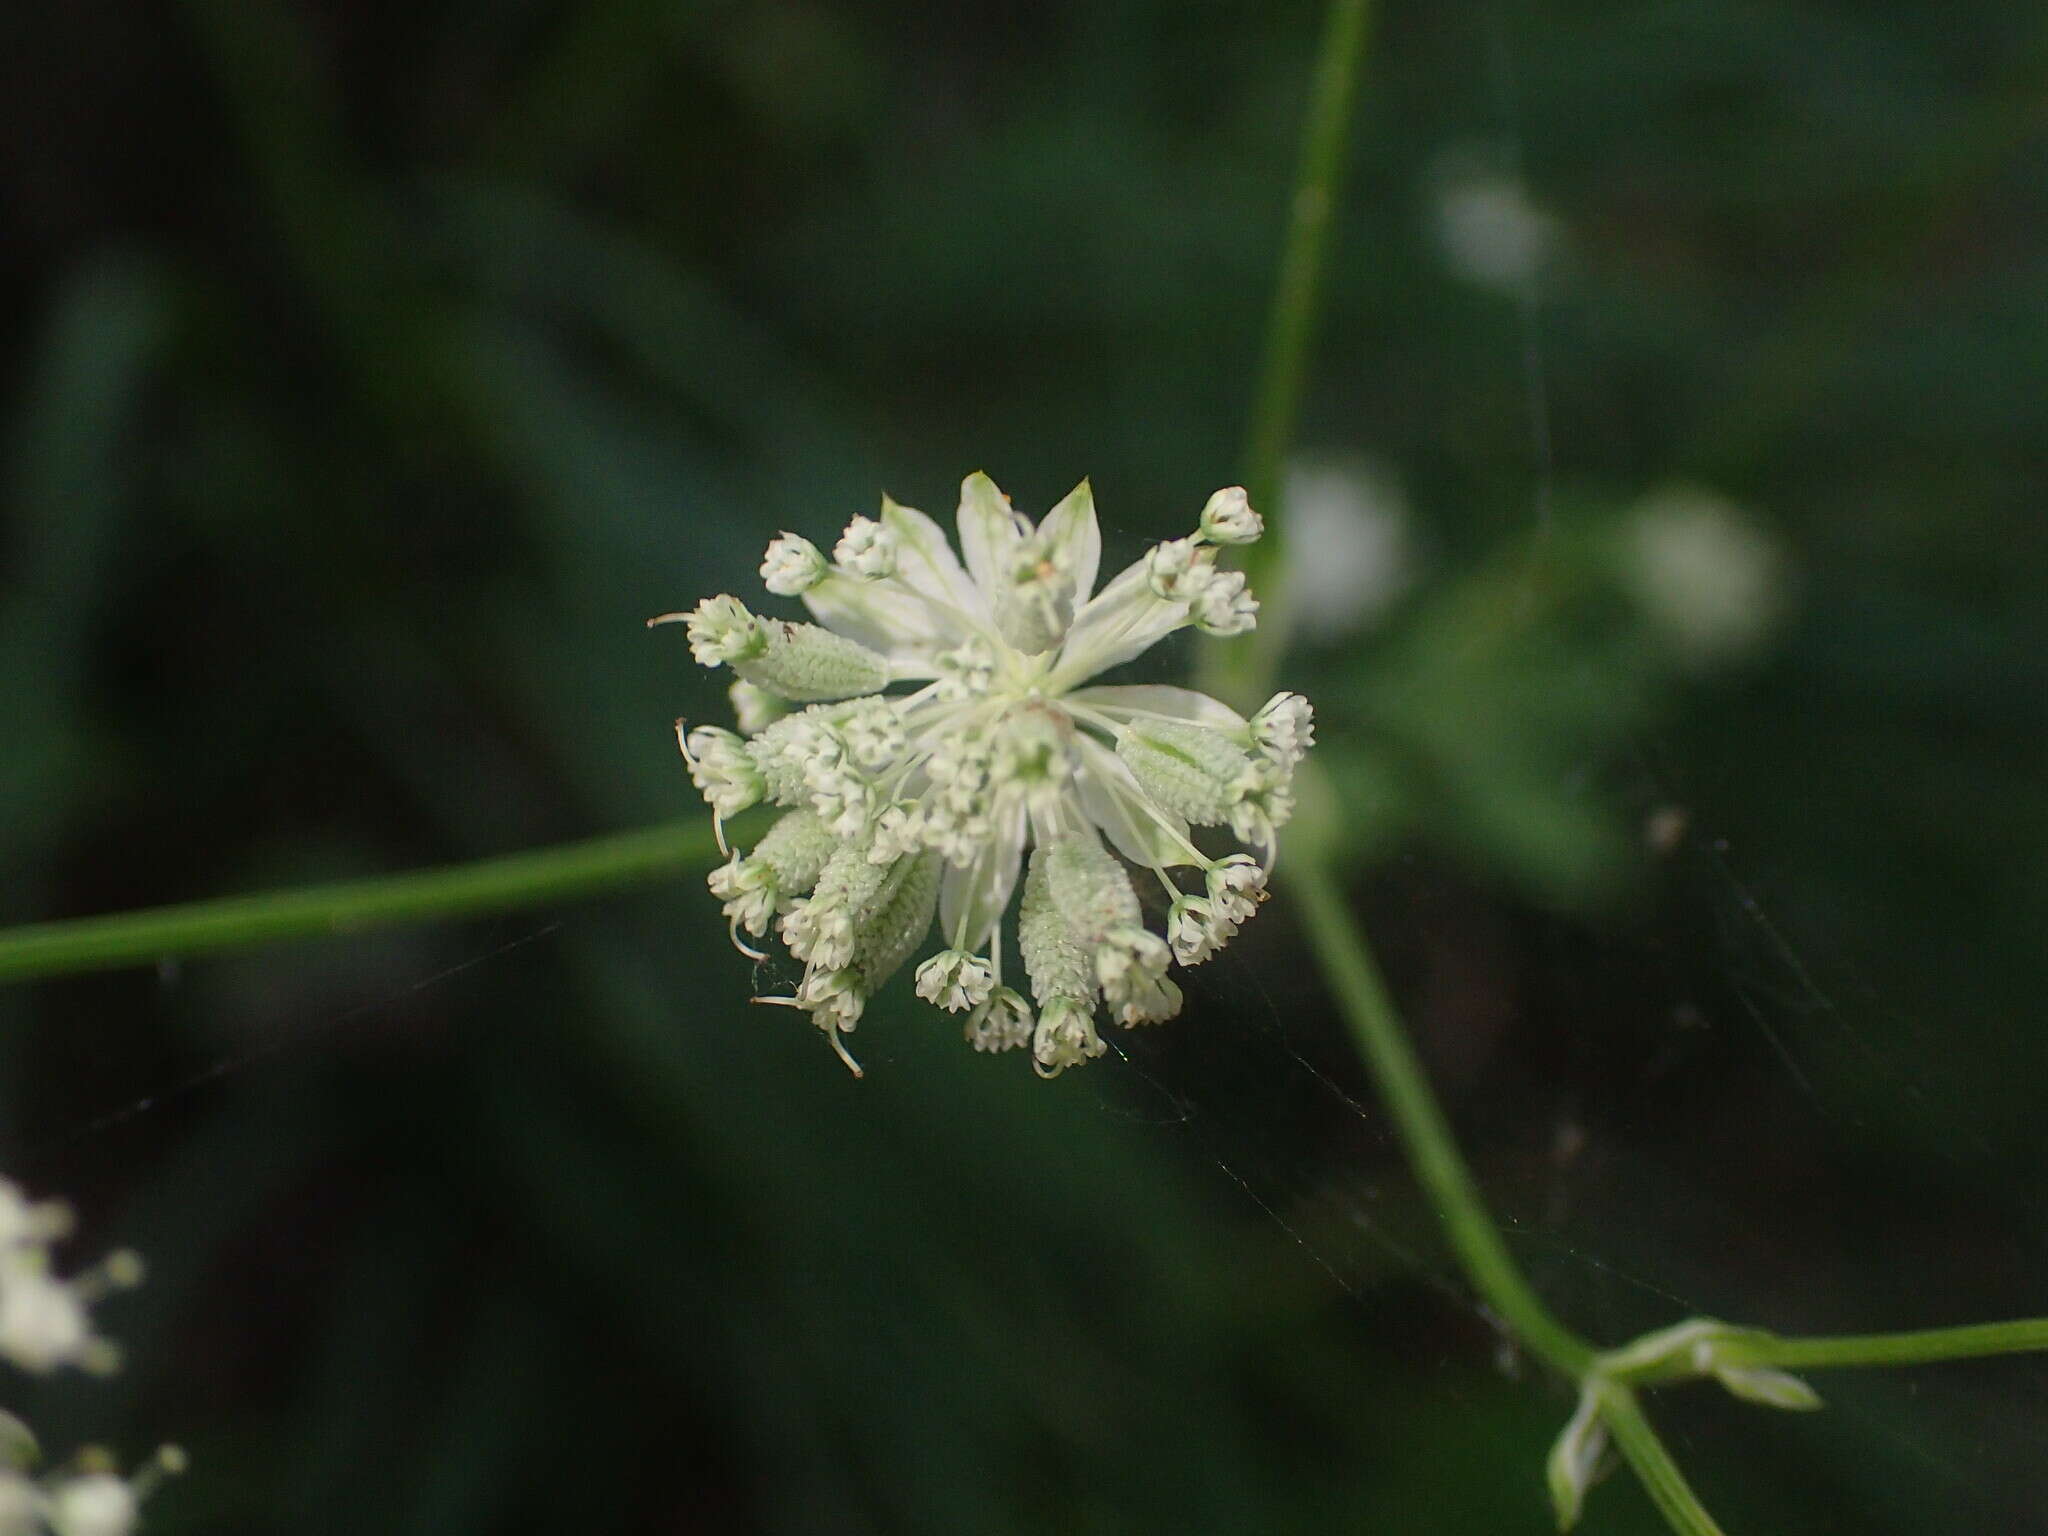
(908, 806)
(44, 1325)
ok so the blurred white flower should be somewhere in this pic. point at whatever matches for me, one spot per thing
(902, 807)
(1706, 572)
(1348, 552)
(45, 1324)
(1492, 232)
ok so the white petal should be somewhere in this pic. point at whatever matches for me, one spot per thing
(978, 894)
(926, 560)
(1123, 620)
(989, 531)
(1072, 529)
(901, 625)
(1174, 703)
(1110, 797)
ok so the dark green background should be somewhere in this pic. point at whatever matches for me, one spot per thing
(374, 370)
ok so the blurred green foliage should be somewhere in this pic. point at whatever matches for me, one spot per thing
(377, 370)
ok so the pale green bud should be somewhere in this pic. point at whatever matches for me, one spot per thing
(806, 663)
(1575, 1460)
(1090, 892)
(1189, 769)
(795, 850)
(896, 927)
(1057, 965)
(1773, 1389)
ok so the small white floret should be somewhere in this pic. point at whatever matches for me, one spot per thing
(1225, 607)
(867, 549)
(955, 980)
(1229, 519)
(792, 566)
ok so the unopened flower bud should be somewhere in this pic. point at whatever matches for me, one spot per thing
(1575, 1460)
(1189, 769)
(796, 849)
(1179, 570)
(792, 566)
(1229, 519)
(896, 926)
(867, 549)
(1090, 892)
(807, 663)
(1057, 964)
(1225, 607)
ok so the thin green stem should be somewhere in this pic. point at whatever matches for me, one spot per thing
(241, 922)
(1638, 1441)
(1348, 964)
(1242, 671)
(1923, 1347)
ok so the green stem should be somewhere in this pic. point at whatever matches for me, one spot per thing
(241, 922)
(1348, 964)
(1918, 1348)
(1637, 1439)
(1242, 670)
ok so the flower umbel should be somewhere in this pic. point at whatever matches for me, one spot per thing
(45, 1326)
(904, 807)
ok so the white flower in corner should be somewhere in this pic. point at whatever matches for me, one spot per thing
(44, 1325)
(920, 804)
